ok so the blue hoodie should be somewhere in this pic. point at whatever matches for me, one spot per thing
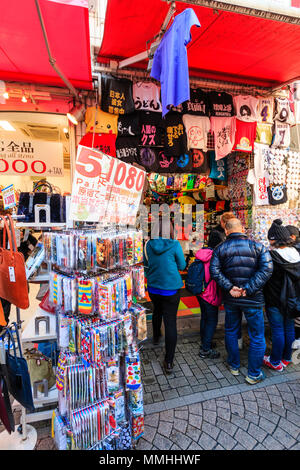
(165, 259)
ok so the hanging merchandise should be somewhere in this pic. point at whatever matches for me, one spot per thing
(246, 108)
(175, 136)
(116, 95)
(146, 97)
(266, 110)
(224, 131)
(282, 135)
(258, 177)
(221, 104)
(148, 158)
(293, 176)
(184, 163)
(218, 168)
(283, 112)
(198, 103)
(127, 149)
(151, 129)
(245, 136)
(197, 128)
(264, 217)
(264, 134)
(106, 143)
(200, 161)
(166, 164)
(170, 63)
(100, 122)
(129, 125)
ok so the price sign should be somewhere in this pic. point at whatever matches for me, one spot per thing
(9, 197)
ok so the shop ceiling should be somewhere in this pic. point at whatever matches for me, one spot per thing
(234, 44)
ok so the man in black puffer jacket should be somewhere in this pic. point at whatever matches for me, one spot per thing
(241, 267)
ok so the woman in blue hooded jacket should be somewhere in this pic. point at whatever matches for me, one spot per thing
(163, 259)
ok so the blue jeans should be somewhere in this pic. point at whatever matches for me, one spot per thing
(283, 335)
(256, 331)
(208, 322)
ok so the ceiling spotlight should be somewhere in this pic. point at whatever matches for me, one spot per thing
(76, 114)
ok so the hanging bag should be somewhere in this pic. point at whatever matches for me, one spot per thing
(40, 368)
(6, 414)
(13, 282)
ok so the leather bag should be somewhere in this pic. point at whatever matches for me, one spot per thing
(6, 414)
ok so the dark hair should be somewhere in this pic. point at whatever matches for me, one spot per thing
(215, 238)
(282, 243)
(293, 230)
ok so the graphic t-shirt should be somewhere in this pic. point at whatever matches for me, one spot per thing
(282, 135)
(221, 104)
(199, 161)
(167, 164)
(218, 168)
(129, 124)
(170, 63)
(116, 95)
(244, 136)
(283, 111)
(148, 158)
(151, 127)
(106, 143)
(260, 187)
(196, 128)
(246, 107)
(184, 163)
(198, 103)
(264, 133)
(127, 149)
(146, 97)
(266, 110)
(175, 136)
(224, 131)
(104, 122)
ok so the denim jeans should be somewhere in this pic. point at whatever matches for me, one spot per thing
(256, 331)
(283, 335)
(208, 322)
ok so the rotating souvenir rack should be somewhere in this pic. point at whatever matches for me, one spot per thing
(95, 280)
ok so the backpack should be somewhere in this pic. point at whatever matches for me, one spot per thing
(195, 281)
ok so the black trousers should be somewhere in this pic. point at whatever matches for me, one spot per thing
(165, 308)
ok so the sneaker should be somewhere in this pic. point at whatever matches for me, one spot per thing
(168, 367)
(255, 380)
(240, 341)
(210, 354)
(285, 363)
(234, 372)
(296, 344)
(267, 363)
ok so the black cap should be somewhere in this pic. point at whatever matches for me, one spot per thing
(278, 232)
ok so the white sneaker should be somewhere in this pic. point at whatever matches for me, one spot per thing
(240, 341)
(296, 344)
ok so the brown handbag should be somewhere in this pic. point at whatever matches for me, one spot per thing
(13, 282)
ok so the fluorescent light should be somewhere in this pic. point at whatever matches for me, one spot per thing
(72, 118)
(6, 126)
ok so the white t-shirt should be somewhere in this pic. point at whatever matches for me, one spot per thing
(266, 110)
(260, 187)
(224, 129)
(246, 107)
(197, 128)
(146, 97)
(282, 135)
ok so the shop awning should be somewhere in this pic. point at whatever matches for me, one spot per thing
(23, 52)
(229, 46)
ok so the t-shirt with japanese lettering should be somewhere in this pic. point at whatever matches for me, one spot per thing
(103, 122)
(282, 135)
(129, 124)
(170, 63)
(260, 187)
(116, 95)
(148, 158)
(106, 143)
(220, 104)
(224, 131)
(175, 136)
(152, 128)
(283, 111)
(218, 168)
(244, 136)
(266, 110)
(198, 103)
(146, 97)
(199, 161)
(246, 107)
(127, 149)
(264, 133)
(197, 128)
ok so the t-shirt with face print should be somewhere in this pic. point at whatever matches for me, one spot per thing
(246, 107)
(129, 125)
(146, 97)
(151, 129)
(197, 128)
(265, 110)
(100, 122)
(175, 137)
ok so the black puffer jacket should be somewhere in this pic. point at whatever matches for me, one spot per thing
(244, 263)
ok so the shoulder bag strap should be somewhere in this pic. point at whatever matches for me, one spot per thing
(145, 250)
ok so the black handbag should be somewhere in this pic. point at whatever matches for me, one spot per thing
(28, 201)
(17, 370)
(6, 414)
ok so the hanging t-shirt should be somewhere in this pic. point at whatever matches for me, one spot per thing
(106, 143)
(266, 110)
(282, 135)
(264, 133)
(129, 124)
(197, 128)
(244, 136)
(246, 107)
(148, 158)
(198, 103)
(224, 131)
(167, 164)
(184, 163)
(220, 104)
(170, 63)
(146, 97)
(104, 122)
(277, 194)
(127, 149)
(200, 161)
(151, 126)
(260, 187)
(218, 168)
(175, 136)
(116, 95)
(283, 111)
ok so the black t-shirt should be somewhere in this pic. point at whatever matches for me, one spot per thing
(129, 124)
(220, 104)
(148, 158)
(198, 104)
(151, 129)
(175, 136)
(199, 161)
(184, 163)
(127, 149)
(166, 164)
(116, 95)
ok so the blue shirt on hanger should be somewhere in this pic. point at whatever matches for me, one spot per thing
(170, 63)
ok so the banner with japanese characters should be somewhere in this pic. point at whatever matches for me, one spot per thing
(30, 157)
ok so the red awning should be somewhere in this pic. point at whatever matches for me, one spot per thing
(23, 53)
(228, 46)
